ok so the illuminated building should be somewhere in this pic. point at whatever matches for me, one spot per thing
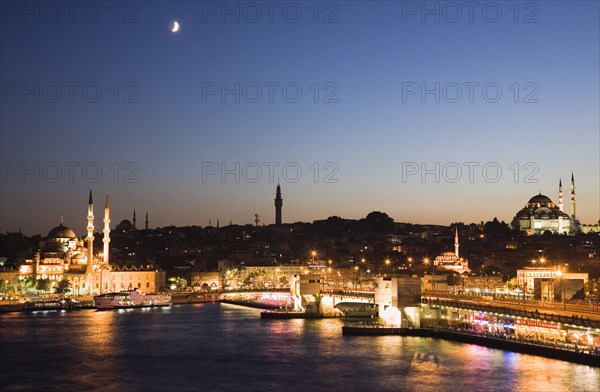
(540, 214)
(452, 260)
(206, 281)
(548, 283)
(62, 255)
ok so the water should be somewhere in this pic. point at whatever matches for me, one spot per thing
(220, 347)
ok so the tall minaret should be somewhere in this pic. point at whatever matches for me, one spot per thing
(146, 221)
(278, 205)
(134, 218)
(560, 195)
(456, 245)
(106, 231)
(90, 235)
(573, 211)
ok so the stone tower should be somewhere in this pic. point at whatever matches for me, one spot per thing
(278, 205)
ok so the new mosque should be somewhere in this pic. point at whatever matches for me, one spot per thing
(62, 255)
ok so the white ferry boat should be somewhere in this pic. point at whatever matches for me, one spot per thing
(131, 299)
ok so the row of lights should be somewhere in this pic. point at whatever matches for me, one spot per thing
(516, 317)
(387, 261)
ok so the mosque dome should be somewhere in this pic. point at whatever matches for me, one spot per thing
(540, 214)
(541, 199)
(125, 225)
(61, 231)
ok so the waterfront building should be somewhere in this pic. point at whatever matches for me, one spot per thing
(267, 276)
(206, 281)
(63, 255)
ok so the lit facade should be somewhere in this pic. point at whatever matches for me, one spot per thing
(62, 255)
(541, 214)
(206, 281)
(548, 283)
(451, 260)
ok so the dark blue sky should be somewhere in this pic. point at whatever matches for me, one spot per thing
(161, 109)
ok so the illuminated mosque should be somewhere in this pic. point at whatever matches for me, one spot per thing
(540, 214)
(452, 260)
(62, 255)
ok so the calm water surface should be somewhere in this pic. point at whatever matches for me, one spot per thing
(213, 347)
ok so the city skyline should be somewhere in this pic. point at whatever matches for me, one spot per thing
(300, 195)
(395, 89)
(263, 219)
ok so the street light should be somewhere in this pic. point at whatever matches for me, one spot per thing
(562, 287)
(387, 265)
(313, 254)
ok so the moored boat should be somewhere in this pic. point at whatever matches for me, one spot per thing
(131, 299)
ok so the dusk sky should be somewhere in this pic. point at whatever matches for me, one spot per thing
(346, 86)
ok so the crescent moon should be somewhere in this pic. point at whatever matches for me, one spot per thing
(175, 26)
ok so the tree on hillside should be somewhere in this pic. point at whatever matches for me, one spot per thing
(379, 222)
(496, 229)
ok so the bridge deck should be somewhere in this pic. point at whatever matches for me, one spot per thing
(568, 318)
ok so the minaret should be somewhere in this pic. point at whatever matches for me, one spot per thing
(106, 231)
(134, 219)
(560, 195)
(146, 221)
(90, 235)
(573, 211)
(278, 205)
(456, 245)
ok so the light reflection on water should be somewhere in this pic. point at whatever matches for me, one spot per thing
(225, 347)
